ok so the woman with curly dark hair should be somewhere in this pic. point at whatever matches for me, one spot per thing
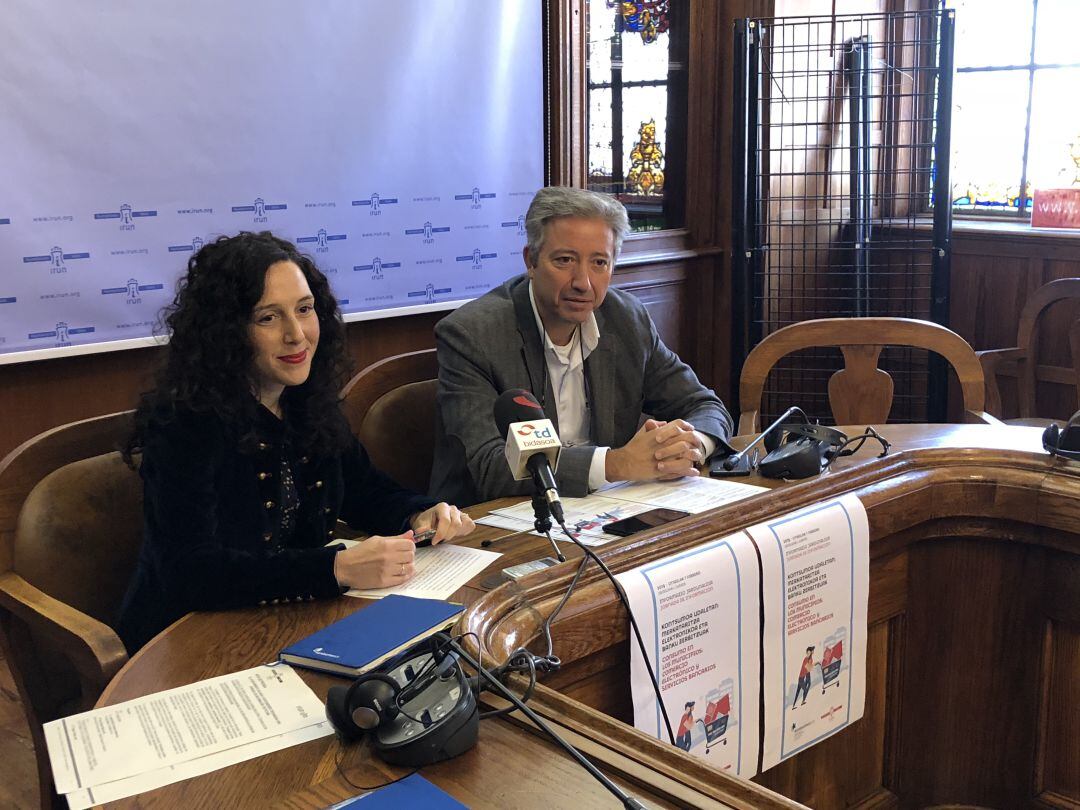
(246, 458)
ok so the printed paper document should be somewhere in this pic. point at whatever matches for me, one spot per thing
(698, 615)
(587, 516)
(719, 666)
(440, 570)
(816, 578)
(151, 780)
(178, 725)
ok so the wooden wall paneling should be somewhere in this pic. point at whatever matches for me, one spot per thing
(1057, 770)
(564, 89)
(991, 690)
(993, 275)
(664, 289)
(811, 778)
(43, 394)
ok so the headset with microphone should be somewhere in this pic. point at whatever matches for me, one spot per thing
(1063, 442)
(419, 707)
(801, 449)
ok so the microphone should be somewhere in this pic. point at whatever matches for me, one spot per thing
(532, 445)
(731, 462)
(516, 410)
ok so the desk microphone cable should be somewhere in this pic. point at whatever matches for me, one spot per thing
(592, 555)
(497, 686)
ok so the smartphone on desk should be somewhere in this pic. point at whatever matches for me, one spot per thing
(643, 521)
(516, 572)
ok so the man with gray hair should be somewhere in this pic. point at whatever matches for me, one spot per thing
(590, 355)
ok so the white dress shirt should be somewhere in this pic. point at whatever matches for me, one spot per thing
(566, 370)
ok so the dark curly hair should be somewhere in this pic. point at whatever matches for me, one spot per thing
(208, 362)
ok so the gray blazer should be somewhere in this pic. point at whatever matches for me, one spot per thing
(492, 344)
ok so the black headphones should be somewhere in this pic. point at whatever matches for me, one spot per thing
(363, 705)
(375, 698)
(1064, 442)
(801, 449)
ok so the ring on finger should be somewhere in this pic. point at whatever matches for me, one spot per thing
(401, 573)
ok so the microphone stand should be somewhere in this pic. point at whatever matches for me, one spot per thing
(731, 462)
(542, 523)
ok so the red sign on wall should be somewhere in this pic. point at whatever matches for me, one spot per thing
(1056, 208)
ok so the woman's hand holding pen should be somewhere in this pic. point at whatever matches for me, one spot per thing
(378, 562)
(445, 520)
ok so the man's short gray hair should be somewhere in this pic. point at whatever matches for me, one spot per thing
(562, 201)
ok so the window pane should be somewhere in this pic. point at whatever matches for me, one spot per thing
(988, 138)
(644, 58)
(645, 135)
(1057, 36)
(1054, 151)
(600, 35)
(600, 147)
(992, 32)
(634, 84)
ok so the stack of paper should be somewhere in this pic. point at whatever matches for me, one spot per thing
(587, 516)
(110, 753)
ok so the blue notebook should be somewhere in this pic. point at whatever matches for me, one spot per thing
(412, 791)
(364, 639)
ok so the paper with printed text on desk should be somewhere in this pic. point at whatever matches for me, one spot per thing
(178, 725)
(440, 570)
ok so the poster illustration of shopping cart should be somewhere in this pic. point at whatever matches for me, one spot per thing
(717, 713)
(817, 669)
(712, 729)
(832, 660)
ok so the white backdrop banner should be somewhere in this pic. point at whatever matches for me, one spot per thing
(397, 143)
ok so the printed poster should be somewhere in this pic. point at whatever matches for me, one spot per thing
(698, 616)
(815, 575)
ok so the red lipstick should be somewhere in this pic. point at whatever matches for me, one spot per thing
(300, 357)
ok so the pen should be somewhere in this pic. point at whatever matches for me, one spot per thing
(424, 537)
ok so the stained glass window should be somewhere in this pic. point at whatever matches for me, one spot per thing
(637, 106)
(1016, 122)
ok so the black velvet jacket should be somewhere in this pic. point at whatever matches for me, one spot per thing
(212, 516)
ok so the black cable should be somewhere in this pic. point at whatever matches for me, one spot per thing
(842, 449)
(627, 801)
(590, 554)
(554, 659)
(530, 665)
(524, 660)
(337, 764)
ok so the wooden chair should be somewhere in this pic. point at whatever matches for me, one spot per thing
(390, 406)
(1021, 360)
(70, 530)
(860, 393)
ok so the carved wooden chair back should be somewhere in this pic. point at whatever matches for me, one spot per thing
(1022, 360)
(70, 531)
(390, 406)
(859, 393)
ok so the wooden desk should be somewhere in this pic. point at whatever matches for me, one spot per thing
(508, 768)
(973, 654)
(949, 481)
